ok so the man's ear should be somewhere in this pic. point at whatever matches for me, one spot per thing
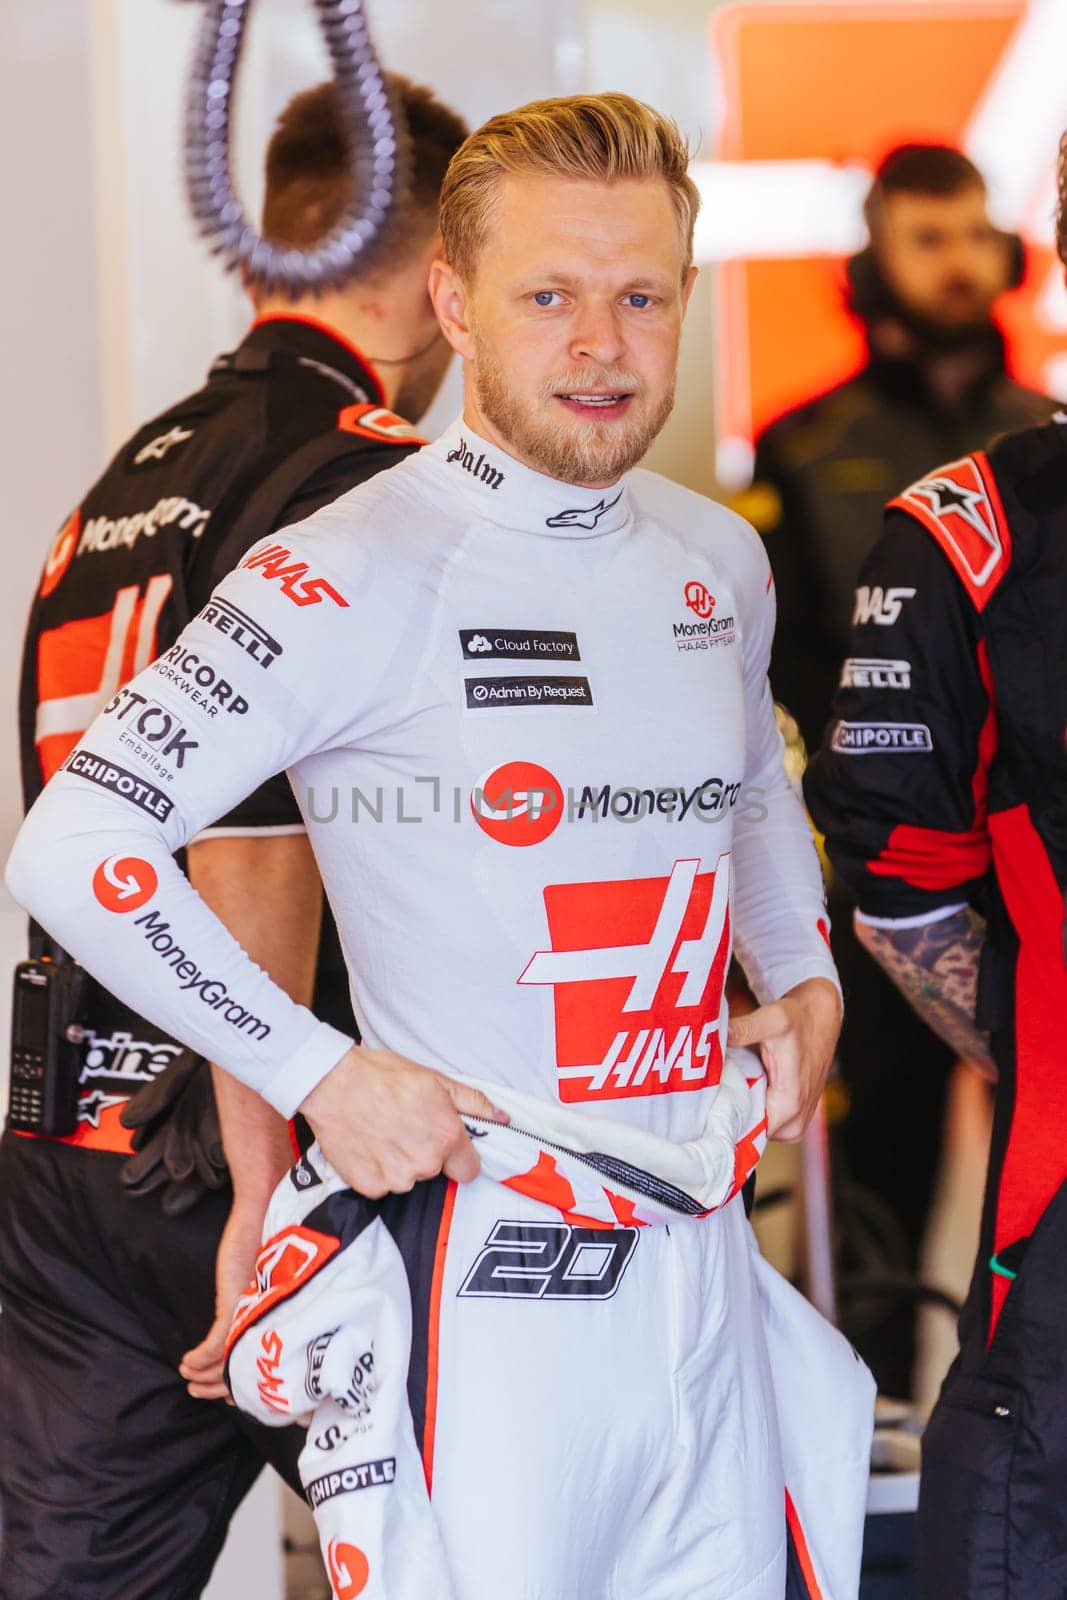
(451, 303)
(687, 288)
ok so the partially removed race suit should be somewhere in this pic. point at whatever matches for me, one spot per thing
(943, 782)
(531, 735)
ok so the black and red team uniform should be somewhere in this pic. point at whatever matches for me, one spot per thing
(943, 781)
(114, 1483)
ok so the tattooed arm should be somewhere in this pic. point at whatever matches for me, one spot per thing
(935, 967)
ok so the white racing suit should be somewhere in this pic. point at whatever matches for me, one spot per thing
(530, 733)
(461, 1339)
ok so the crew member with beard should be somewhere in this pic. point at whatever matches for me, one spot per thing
(934, 386)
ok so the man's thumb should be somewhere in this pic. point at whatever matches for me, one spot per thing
(755, 1027)
(473, 1102)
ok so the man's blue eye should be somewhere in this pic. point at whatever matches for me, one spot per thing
(544, 296)
(640, 300)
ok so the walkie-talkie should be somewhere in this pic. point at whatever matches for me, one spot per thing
(47, 1029)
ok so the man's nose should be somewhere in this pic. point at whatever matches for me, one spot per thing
(597, 335)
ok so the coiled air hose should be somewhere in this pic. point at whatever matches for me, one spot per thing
(377, 143)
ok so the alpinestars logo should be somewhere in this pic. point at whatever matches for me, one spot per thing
(640, 1015)
(583, 516)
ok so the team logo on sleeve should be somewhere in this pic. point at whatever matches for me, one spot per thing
(124, 883)
(637, 968)
(275, 562)
(878, 605)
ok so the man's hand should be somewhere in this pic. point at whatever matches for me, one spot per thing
(795, 1037)
(385, 1122)
(235, 1263)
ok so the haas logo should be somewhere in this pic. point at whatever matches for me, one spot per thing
(637, 968)
(124, 883)
(699, 599)
(276, 562)
(349, 1569)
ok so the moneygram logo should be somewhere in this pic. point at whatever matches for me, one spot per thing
(62, 553)
(349, 1569)
(124, 883)
(519, 803)
(699, 599)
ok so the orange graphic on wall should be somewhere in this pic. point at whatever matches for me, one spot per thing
(844, 83)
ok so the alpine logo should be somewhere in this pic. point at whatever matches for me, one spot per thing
(519, 803)
(583, 516)
(699, 599)
(276, 563)
(124, 883)
(482, 469)
(878, 605)
(121, 1057)
(638, 1015)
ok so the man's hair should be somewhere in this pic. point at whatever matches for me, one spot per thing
(603, 137)
(309, 169)
(927, 169)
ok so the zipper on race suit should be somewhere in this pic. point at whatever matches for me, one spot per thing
(652, 1189)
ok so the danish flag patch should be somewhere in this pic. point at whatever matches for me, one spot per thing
(961, 506)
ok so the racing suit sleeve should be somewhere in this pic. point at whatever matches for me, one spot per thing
(94, 860)
(272, 807)
(779, 907)
(899, 787)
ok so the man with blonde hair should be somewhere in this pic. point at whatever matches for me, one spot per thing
(521, 692)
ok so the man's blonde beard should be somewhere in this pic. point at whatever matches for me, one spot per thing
(576, 452)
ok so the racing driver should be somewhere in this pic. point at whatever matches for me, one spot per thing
(521, 693)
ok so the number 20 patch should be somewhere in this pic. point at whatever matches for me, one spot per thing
(550, 1261)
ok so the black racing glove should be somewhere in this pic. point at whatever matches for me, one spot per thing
(176, 1136)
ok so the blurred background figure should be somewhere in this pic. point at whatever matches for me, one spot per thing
(935, 384)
